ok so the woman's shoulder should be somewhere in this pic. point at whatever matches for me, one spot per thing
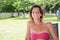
(48, 24)
(29, 22)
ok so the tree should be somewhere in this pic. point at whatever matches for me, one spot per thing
(22, 5)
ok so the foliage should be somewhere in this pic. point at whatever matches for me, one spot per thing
(25, 5)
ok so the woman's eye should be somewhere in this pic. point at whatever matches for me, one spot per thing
(35, 12)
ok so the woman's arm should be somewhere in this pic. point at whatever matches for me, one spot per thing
(28, 32)
(51, 30)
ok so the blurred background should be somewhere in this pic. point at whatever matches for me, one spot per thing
(14, 15)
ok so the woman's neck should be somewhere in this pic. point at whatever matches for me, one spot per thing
(38, 22)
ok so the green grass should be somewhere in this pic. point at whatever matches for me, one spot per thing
(14, 18)
(12, 29)
(46, 18)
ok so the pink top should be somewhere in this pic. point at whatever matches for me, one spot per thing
(44, 36)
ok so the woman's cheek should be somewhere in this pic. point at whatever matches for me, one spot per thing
(33, 15)
(39, 15)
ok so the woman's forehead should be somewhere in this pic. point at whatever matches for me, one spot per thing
(36, 8)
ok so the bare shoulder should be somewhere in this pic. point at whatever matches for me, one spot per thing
(29, 23)
(49, 25)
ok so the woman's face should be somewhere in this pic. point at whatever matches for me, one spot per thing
(36, 13)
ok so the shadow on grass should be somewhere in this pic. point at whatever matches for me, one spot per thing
(14, 18)
(5, 18)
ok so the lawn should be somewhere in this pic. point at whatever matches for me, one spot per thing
(15, 28)
(46, 18)
(12, 29)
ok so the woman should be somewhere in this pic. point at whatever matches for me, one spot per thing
(36, 28)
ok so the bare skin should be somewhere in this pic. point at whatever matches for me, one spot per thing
(39, 27)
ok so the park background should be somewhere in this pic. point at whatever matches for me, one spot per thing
(14, 15)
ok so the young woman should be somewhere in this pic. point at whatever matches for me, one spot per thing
(36, 28)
